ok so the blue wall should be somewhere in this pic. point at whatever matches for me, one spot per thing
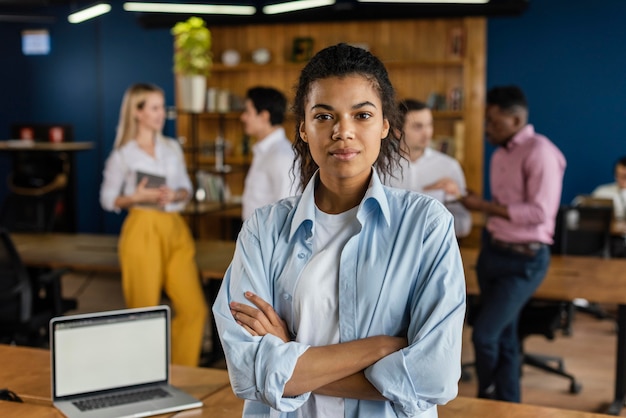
(565, 54)
(568, 56)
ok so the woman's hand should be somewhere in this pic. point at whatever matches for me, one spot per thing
(166, 195)
(261, 321)
(145, 194)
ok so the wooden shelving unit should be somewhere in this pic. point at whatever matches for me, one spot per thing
(423, 57)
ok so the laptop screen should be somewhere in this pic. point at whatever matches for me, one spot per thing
(109, 350)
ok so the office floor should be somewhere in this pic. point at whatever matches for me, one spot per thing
(589, 352)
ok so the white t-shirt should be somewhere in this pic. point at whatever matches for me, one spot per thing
(316, 298)
(426, 170)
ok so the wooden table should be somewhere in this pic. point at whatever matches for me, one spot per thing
(601, 280)
(28, 410)
(474, 407)
(16, 145)
(224, 404)
(98, 252)
(26, 371)
(569, 277)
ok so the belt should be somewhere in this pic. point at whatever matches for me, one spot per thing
(525, 248)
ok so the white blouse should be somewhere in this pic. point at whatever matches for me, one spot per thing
(122, 165)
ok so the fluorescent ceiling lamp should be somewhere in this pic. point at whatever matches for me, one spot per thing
(428, 1)
(89, 13)
(292, 6)
(207, 9)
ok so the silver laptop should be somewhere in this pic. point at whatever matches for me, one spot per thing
(114, 364)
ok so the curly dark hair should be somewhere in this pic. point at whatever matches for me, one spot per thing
(343, 60)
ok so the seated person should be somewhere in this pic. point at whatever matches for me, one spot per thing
(427, 170)
(615, 191)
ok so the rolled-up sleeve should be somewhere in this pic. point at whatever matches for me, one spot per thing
(409, 378)
(112, 182)
(177, 176)
(259, 367)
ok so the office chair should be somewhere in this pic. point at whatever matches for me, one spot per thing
(583, 229)
(24, 314)
(546, 317)
(36, 188)
(538, 317)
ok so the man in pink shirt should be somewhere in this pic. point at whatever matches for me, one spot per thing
(526, 176)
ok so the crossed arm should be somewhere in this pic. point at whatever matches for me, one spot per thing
(332, 370)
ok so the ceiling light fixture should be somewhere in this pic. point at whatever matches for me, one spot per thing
(428, 1)
(208, 9)
(292, 6)
(89, 13)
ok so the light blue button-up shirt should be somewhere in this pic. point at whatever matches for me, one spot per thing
(401, 275)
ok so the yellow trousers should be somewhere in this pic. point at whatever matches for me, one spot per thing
(157, 253)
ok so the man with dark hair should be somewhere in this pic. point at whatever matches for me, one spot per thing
(526, 176)
(269, 177)
(427, 170)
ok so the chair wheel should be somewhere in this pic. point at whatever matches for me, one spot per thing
(575, 387)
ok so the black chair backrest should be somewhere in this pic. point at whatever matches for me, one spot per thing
(15, 287)
(22, 213)
(583, 230)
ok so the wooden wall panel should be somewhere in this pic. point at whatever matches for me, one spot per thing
(418, 55)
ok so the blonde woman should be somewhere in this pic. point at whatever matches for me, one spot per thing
(146, 175)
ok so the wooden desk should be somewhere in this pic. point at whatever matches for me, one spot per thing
(601, 280)
(16, 145)
(97, 252)
(474, 407)
(27, 410)
(26, 371)
(224, 404)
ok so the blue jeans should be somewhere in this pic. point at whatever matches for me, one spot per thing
(507, 281)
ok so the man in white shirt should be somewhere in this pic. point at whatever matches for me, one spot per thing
(427, 170)
(615, 191)
(270, 177)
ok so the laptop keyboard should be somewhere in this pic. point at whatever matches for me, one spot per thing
(107, 401)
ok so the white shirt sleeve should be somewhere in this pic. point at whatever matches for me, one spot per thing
(115, 171)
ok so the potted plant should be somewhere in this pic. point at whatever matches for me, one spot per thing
(192, 62)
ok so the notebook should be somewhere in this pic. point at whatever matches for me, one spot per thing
(154, 181)
(116, 358)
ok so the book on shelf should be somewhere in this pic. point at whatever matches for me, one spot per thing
(211, 187)
(445, 144)
(451, 145)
